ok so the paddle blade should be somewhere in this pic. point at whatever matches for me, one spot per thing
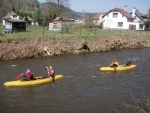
(18, 76)
(53, 85)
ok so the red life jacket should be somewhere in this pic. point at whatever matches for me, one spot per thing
(29, 75)
(50, 73)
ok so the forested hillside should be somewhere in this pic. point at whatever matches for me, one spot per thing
(29, 7)
(19, 5)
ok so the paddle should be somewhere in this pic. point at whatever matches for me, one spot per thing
(18, 76)
(53, 85)
(115, 68)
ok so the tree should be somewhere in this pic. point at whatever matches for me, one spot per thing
(26, 18)
(38, 15)
(149, 11)
(59, 5)
(148, 15)
(147, 25)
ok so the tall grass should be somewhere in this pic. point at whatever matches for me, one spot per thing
(137, 105)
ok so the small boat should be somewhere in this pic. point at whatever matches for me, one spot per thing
(119, 68)
(38, 80)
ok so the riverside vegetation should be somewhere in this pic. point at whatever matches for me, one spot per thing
(39, 42)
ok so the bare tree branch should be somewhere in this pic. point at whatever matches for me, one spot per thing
(59, 5)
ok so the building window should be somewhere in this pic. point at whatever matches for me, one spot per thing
(141, 26)
(120, 24)
(115, 15)
(55, 26)
(14, 16)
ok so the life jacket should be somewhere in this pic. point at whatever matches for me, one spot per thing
(115, 63)
(129, 63)
(29, 75)
(51, 73)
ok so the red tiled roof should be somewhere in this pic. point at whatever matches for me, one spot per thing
(57, 19)
(125, 13)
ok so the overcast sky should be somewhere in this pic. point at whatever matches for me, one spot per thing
(96, 6)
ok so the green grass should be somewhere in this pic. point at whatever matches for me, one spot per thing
(40, 32)
(1, 27)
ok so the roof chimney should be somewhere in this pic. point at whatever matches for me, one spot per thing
(133, 12)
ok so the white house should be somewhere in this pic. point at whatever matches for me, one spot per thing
(79, 21)
(59, 23)
(120, 19)
(13, 22)
(98, 18)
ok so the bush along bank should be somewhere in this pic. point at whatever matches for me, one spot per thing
(46, 47)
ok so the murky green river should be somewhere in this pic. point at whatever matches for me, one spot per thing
(84, 88)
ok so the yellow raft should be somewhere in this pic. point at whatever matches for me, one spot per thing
(38, 81)
(119, 68)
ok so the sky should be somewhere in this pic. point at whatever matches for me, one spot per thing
(97, 6)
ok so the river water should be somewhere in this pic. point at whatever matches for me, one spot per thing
(84, 88)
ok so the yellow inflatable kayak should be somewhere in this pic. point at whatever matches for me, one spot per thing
(119, 68)
(39, 80)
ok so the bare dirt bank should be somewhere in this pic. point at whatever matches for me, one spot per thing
(46, 47)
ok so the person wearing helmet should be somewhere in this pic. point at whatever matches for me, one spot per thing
(28, 75)
(129, 62)
(114, 63)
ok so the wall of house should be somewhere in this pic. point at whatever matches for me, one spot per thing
(3, 22)
(8, 25)
(60, 25)
(55, 26)
(50, 26)
(134, 26)
(95, 22)
(112, 22)
(100, 19)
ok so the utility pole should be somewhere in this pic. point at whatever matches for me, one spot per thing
(83, 16)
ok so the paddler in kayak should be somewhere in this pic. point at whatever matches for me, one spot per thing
(129, 62)
(28, 75)
(50, 73)
(114, 63)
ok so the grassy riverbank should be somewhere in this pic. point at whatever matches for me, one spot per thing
(40, 42)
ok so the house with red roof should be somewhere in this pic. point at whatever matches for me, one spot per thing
(118, 18)
(59, 23)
